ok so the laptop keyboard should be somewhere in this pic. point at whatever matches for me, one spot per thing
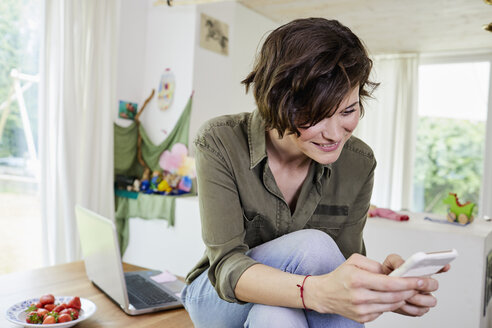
(146, 292)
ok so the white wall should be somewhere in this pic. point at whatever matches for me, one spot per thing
(170, 34)
(154, 38)
(217, 78)
(251, 30)
(154, 244)
(131, 54)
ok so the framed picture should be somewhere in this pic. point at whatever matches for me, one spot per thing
(127, 110)
(214, 35)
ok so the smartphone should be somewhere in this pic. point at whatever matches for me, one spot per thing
(424, 264)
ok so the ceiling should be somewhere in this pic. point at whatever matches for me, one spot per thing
(396, 26)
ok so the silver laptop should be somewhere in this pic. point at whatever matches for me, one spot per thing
(134, 292)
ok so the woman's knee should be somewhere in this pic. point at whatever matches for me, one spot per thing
(206, 309)
(307, 251)
(317, 251)
(313, 239)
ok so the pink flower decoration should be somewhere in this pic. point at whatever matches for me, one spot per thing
(171, 160)
(180, 149)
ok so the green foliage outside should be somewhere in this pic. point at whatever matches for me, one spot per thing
(19, 48)
(449, 158)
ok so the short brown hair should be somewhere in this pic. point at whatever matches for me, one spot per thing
(304, 70)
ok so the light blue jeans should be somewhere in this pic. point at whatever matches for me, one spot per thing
(302, 252)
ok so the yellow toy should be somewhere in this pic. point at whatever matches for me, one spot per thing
(164, 187)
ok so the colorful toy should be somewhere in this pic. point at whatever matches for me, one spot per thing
(164, 187)
(155, 180)
(178, 170)
(461, 213)
(136, 185)
(185, 184)
(173, 180)
(176, 175)
(145, 182)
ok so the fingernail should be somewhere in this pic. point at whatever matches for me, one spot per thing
(420, 283)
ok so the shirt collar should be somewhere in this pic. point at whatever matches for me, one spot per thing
(256, 139)
(321, 169)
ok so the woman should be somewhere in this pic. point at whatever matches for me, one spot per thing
(284, 193)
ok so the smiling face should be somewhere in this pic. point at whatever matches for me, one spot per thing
(324, 141)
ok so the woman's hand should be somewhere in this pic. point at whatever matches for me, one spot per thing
(421, 303)
(360, 290)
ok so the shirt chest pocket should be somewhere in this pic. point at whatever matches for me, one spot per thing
(329, 218)
(258, 230)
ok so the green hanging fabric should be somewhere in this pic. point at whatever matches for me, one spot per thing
(126, 163)
(125, 149)
(179, 134)
(125, 145)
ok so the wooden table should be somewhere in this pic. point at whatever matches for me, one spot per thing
(70, 279)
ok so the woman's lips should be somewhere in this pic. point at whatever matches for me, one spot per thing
(327, 147)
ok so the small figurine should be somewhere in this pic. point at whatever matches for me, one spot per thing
(173, 180)
(164, 187)
(156, 179)
(136, 185)
(461, 213)
(185, 184)
(145, 182)
(123, 181)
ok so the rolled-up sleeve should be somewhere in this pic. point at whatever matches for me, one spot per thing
(223, 229)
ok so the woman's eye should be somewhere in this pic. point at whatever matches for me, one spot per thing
(348, 112)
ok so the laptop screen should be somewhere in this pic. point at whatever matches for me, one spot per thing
(101, 254)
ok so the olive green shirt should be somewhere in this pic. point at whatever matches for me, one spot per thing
(241, 205)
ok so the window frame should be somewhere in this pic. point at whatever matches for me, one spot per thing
(486, 185)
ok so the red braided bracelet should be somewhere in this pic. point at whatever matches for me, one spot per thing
(302, 291)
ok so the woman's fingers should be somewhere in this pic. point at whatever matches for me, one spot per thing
(378, 308)
(392, 262)
(370, 317)
(412, 310)
(369, 312)
(383, 283)
(417, 305)
(445, 268)
(430, 285)
(365, 263)
(365, 296)
(364, 290)
(422, 300)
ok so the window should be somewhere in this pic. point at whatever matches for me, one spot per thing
(452, 115)
(20, 226)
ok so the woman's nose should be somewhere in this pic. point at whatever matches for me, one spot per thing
(332, 129)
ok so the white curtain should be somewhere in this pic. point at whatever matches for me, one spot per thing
(389, 127)
(76, 124)
(486, 191)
